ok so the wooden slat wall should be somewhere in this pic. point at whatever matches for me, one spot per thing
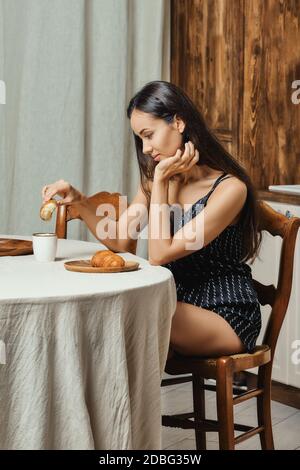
(237, 60)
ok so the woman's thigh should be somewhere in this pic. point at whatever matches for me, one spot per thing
(197, 331)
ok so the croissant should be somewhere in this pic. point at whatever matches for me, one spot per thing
(47, 209)
(99, 256)
(113, 261)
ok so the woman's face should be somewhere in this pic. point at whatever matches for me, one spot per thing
(158, 137)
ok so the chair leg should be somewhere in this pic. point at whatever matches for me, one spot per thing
(225, 403)
(199, 411)
(61, 222)
(264, 408)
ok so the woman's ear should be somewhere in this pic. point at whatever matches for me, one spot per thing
(179, 124)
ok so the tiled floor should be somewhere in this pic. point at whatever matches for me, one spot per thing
(178, 399)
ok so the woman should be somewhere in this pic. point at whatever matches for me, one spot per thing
(183, 165)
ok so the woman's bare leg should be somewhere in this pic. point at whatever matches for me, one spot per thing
(202, 333)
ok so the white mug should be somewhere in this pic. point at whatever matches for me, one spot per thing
(44, 246)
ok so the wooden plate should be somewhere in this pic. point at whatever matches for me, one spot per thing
(84, 266)
(14, 247)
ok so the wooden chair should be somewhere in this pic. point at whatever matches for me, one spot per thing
(69, 212)
(222, 368)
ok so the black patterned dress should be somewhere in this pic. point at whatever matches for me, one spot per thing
(216, 279)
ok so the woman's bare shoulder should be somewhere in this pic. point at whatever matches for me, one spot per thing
(231, 185)
(236, 182)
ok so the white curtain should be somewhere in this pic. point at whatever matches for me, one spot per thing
(70, 68)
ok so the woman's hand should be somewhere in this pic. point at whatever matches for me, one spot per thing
(179, 163)
(64, 189)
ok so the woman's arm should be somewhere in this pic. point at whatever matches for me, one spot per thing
(160, 239)
(222, 208)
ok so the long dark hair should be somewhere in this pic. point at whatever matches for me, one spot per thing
(164, 100)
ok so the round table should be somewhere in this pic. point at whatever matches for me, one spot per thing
(85, 352)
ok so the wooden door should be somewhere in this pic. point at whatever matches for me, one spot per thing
(238, 59)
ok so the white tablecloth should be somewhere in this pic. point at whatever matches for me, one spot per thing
(85, 353)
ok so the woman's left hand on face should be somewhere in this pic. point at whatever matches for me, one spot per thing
(179, 163)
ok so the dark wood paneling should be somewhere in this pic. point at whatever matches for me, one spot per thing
(237, 60)
(207, 51)
(271, 137)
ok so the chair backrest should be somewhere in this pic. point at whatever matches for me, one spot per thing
(278, 298)
(66, 213)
